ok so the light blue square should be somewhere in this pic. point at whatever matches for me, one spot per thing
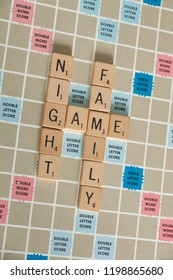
(120, 103)
(61, 243)
(85, 222)
(90, 7)
(79, 95)
(10, 109)
(130, 12)
(115, 151)
(107, 30)
(170, 136)
(72, 144)
(104, 248)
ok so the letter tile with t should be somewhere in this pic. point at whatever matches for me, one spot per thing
(100, 98)
(48, 167)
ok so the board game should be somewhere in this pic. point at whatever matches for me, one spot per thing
(47, 218)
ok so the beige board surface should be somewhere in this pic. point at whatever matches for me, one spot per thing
(35, 210)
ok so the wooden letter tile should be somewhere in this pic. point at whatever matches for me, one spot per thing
(61, 66)
(98, 123)
(48, 167)
(51, 141)
(54, 115)
(100, 98)
(89, 198)
(77, 118)
(103, 74)
(94, 148)
(58, 91)
(92, 173)
(119, 126)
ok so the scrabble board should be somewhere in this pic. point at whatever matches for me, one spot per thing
(131, 216)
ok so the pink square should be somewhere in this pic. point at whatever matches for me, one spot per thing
(3, 211)
(164, 65)
(23, 12)
(150, 204)
(41, 40)
(23, 188)
(166, 230)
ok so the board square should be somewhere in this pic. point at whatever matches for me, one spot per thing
(23, 12)
(41, 40)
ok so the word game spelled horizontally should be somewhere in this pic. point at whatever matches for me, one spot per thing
(54, 116)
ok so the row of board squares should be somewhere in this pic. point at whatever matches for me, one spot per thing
(95, 122)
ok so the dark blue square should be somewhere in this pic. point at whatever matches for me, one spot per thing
(153, 2)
